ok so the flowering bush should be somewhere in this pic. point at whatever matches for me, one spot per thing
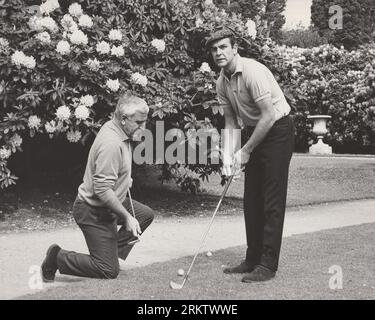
(63, 66)
(337, 82)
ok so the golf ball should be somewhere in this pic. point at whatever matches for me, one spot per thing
(180, 272)
(209, 254)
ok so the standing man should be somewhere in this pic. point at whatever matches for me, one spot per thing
(251, 97)
(101, 203)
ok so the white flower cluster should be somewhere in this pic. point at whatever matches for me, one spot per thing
(35, 24)
(72, 31)
(294, 73)
(34, 122)
(5, 153)
(205, 67)
(4, 44)
(85, 21)
(208, 86)
(361, 89)
(49, 6)
(73, 136)
(356, 74)
(44, 37)
(82, 112)
(113, 85)
(68, 23)
(50, 126)
(103, 47)
(198, 22)
(158, 44)
(251, 28)
(63, 47)
(16, 140)
(87, 100)
(137, 78)
(293, 55)
(75, 9)
(78, 37)
(266, 47)
(63, 113)
(93, 65)
(115, 34)
(20, 59)
(49, 24)
(117, 51)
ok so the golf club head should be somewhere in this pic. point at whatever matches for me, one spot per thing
(176, 286)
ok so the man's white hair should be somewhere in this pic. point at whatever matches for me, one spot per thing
(129, 104)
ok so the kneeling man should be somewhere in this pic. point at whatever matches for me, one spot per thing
(101, 203)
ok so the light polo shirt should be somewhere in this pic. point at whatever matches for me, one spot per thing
(108, 165)
(251, 82)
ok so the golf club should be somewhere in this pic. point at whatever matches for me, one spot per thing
(177, 286)
(133, 213)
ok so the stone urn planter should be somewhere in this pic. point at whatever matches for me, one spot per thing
(320, 130)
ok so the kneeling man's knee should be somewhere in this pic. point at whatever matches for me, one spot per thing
(112, 272)
(149, 216)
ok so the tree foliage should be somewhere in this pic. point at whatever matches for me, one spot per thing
(301, 37)
(268, 14)
(358, 19)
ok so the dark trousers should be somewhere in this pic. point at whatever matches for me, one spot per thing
(105, 243)
(266, 183)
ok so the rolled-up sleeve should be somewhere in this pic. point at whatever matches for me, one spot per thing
(107, 166)
(258, 85)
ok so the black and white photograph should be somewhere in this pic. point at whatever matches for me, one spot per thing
(187, 156)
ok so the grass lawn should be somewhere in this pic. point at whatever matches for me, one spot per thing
(319, 179)
(312, 180)
(303, 273)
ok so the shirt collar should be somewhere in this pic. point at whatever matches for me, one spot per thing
(116, 127)
(239, 67)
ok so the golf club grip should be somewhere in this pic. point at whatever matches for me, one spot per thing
(209, 226)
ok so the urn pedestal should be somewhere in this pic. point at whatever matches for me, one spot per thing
(320, 129)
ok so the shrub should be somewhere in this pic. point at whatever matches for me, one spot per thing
(357, 22)
(340, 83)
(61, 82)
(301, 37)
(63, 67)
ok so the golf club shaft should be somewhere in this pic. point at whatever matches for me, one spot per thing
(209, 226)
(133, 212)
(131, 203)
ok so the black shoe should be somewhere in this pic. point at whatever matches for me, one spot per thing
(49, 265)
(260, 273)
(243, 267)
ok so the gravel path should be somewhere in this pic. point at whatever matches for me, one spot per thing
(167, 238)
